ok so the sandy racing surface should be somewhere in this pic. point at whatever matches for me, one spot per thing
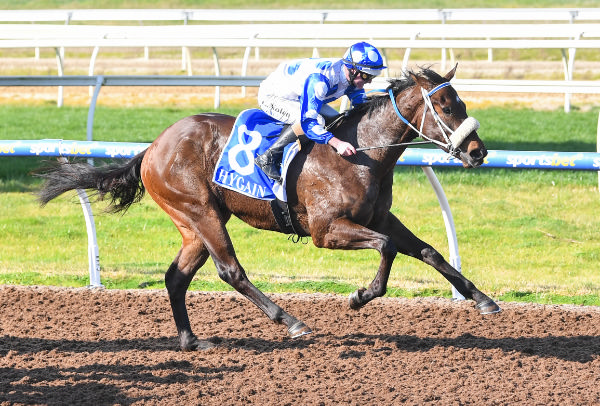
(79, 346)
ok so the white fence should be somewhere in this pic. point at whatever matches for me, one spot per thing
(98, 81)
(284, 36)
(185, 16)
(351, 17)
(567, 38)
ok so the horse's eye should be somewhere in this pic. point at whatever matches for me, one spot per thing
(447, 110)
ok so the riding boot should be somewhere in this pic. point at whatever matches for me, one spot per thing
(270, 160)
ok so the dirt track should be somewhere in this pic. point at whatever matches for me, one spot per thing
(79, 346)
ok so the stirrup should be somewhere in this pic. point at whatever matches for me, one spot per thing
(270, 161)
(267, 164)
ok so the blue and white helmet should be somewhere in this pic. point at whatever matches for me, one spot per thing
(365, 58)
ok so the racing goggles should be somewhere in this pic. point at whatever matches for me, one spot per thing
(365, 76)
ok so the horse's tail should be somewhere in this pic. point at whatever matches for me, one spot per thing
(121, 181)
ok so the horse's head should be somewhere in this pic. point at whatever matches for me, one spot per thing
(444, 120)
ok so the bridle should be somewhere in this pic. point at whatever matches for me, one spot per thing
(452, 139)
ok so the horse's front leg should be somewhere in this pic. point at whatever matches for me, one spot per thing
(409, 244)
(347, 235)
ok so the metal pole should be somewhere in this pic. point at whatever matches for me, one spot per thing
(217, 73)
(93, 254)
(59, 62)
(91, 111)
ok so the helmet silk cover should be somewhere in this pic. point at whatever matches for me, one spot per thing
(365, 58)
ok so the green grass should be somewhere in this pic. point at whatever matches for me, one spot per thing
(512, 238)
(523, 234)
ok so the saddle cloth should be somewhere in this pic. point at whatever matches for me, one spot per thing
(253, 133)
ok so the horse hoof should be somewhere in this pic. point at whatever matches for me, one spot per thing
(189, 342)
(488, 307)
(299, 329)
(354, 300)
(197, 345)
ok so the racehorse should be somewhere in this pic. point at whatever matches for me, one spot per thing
(341, 202)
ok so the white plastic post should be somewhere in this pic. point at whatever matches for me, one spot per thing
(217, 103)
(92, 109)
(59, 62)
(449, 222)
(93, 253)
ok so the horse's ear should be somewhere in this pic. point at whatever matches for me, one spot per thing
(450, 74)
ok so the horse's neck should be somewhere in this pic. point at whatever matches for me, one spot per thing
(383, 128)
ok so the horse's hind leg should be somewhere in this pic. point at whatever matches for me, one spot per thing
(231, 271)
(190, 258)
(204, 232)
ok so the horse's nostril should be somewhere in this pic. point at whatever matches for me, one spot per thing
(477, 154)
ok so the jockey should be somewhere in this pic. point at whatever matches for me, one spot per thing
(297, 93)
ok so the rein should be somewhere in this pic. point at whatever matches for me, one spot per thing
(394, 145)
(452, 142)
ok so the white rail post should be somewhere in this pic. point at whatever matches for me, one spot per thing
(449, 222)
(91, 111)
(443, 50)
(407, 51)
(185, 50)
(92, 64)
(217, 103)
(59, 62)
(93, 253)
(245, 60)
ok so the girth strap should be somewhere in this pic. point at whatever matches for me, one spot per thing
(281, 212)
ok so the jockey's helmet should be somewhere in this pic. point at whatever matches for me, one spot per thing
(364, 57)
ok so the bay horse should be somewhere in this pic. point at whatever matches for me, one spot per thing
(341, 202)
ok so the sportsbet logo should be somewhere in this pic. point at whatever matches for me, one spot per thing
(7, 149)
(73, 149)
(543, 160)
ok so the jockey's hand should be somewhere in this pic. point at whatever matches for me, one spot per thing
(343, 148)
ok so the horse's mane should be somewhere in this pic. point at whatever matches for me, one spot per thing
(397, 85)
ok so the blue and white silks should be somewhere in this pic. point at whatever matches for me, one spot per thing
(253, 133)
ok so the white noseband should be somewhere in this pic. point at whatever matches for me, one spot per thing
(464, 129)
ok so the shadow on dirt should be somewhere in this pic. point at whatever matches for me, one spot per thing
(575, 349)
